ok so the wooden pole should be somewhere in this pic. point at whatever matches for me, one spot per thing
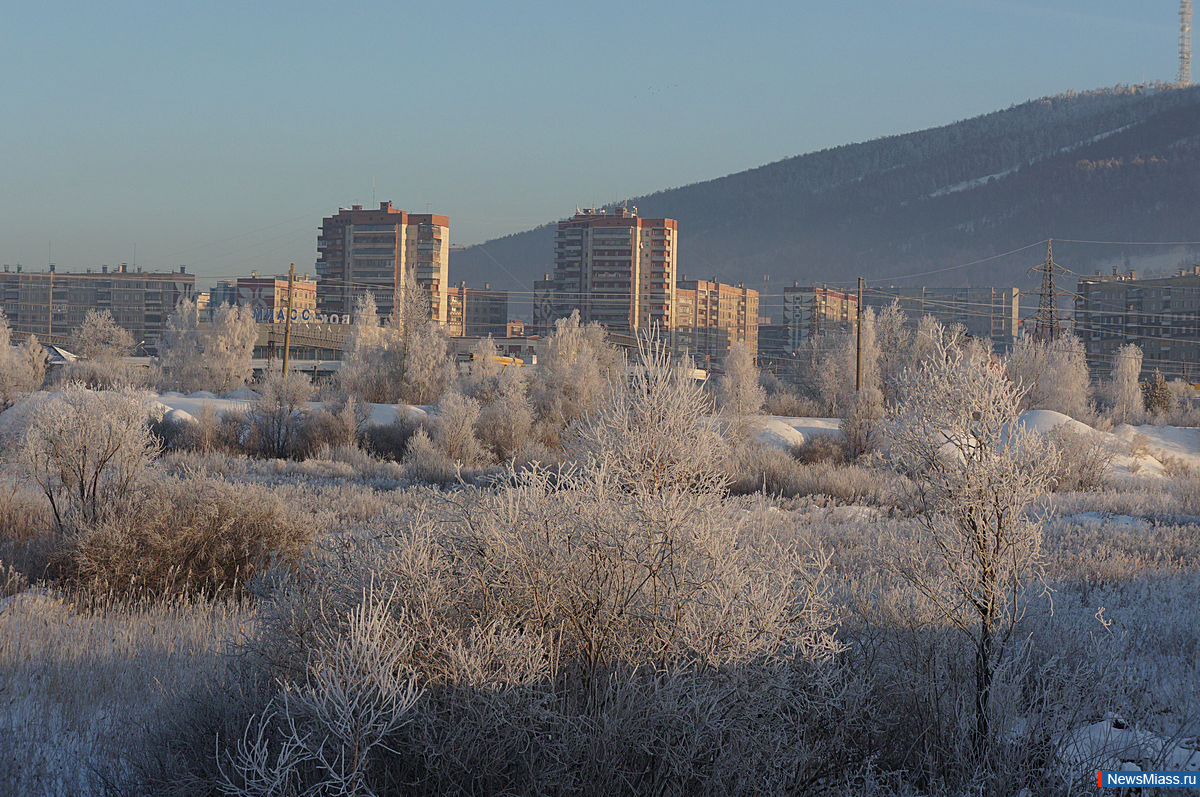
(287, 321)
(858, 358)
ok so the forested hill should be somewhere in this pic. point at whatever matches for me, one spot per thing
(1116, 165)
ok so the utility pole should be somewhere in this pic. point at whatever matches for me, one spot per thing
(858, 357)
(1046, 327)
(287, 321)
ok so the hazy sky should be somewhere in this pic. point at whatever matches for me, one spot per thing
(218, 134)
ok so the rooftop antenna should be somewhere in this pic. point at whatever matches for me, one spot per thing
(1185, 44)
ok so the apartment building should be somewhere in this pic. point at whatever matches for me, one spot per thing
(1161, 316)
(52, 304)
(615, 268)
(375, 250)
(709, 316)
(476, 312)
(810, 311)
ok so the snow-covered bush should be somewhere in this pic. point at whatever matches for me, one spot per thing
(1121, 392)
(860, 427)
(653, 433)
(454, 429)
(425, 462)
(85, 450)
(390, 441)
(738, 391)
(505, 426)
(279, 416)
(101, 344)
(337, 425)
(1054, 376)
(175, 536)
(1156, 395)
(1084, 458)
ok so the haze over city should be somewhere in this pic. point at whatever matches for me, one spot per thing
(218, 135)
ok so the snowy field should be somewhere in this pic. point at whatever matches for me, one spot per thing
(82, 686)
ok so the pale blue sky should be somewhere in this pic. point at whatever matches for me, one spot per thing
(218, 134)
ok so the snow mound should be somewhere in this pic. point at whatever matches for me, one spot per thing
(1046, 421)
(241, 394)
(784, 433)
(1112, 744)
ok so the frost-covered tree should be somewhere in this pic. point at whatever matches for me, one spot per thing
(278, 415)
(573, 373)
(505, 424)
(454, 428)
(738, 391)
(834, 362)
(1054, 373)
(229, 347)
(22, 368)
(974, 471)
(893, 347)
(403, 359)
(1121, 391)
(99, 338)
(85, 449)
(363, 372)
(214, 356)
(1156, 394)
(652, 433)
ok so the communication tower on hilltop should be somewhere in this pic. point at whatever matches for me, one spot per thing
(1185, 43)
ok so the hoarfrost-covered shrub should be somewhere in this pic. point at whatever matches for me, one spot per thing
(612, 622)
(278, 417)
(861, 426)
(505, 426)
(85, 450)
(829, 448)
(404, 359)
(572, 376)
(1084, 458)
(1121, 392)
(214, 357)
(425, 462)
(652, 433)
(390, 441)
(22, 368)
(1054, 375)
(1156, 395)
(176, 536)
(738, 391)
(336, 426)
(454, 429)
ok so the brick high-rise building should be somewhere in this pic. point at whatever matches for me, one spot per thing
(477, 312)
(616, 268)
(374, 250)
(711, 315)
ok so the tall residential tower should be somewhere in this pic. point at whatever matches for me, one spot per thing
(375, 250)
(616, 268)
